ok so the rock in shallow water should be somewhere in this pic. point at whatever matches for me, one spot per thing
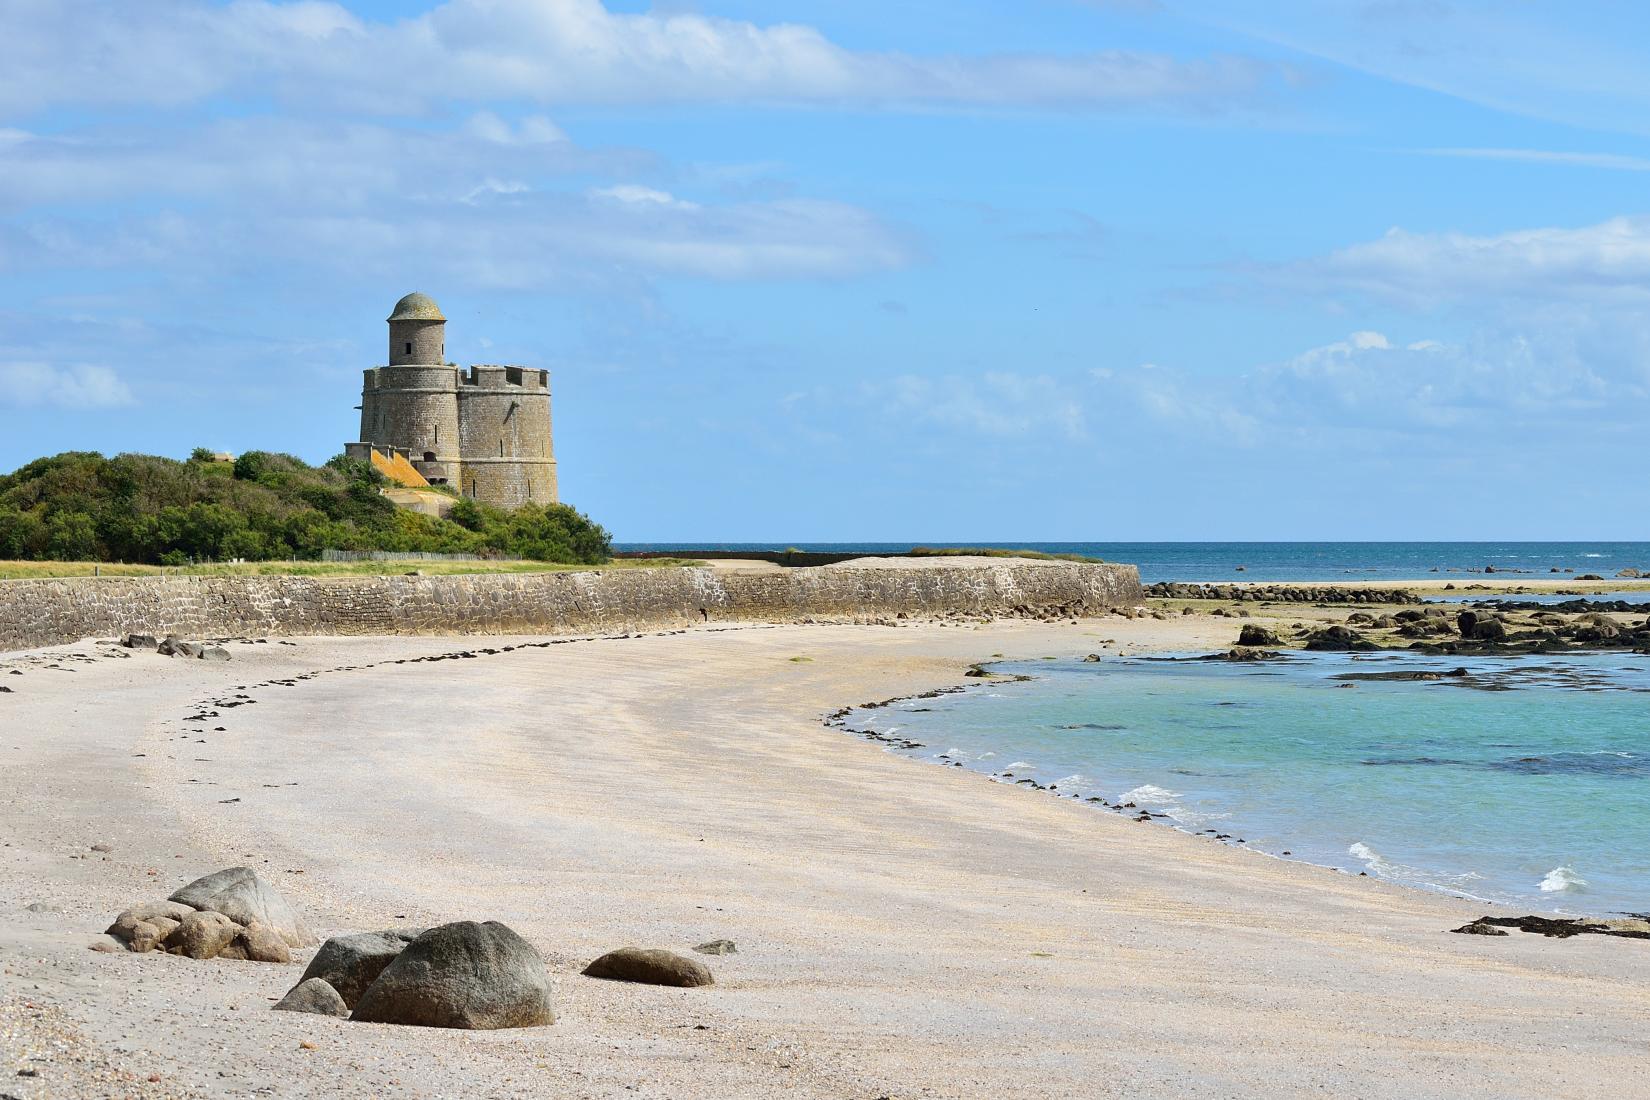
(462, 975)
(650, 966)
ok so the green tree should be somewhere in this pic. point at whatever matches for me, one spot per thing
(72, 537)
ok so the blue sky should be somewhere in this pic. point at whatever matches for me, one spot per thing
(1051, 269)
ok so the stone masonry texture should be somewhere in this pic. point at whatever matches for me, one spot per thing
(50, 612)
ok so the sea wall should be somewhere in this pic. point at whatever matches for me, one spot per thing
(48, 612)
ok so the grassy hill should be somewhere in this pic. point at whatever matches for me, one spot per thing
(81, 506)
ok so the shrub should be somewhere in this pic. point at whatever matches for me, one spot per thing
(142, 508)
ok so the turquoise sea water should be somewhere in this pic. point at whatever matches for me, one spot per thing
(1526, 783)
(1282, 561)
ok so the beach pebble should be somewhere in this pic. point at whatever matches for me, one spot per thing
(650, 966)
(717, 947)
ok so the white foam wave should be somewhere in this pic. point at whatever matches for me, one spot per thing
(1149, 793)
(1022, 764)
(1562, 880)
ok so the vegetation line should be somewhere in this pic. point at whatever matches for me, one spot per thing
(82, 507)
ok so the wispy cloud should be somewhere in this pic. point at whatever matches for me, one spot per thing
(499, 205)
(1609, 261)
(545, 51)
(1001, 404)
(32, 385)
(1612, 161)
(1578, 64)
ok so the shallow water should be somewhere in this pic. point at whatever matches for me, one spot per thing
(1526, 782)
(1544, 598)
(1287, 561)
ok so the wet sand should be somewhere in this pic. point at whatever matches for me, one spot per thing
(904, 929)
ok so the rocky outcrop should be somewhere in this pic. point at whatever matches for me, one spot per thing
(462, 975)
(1279, 593)
(1480, 626)
(1339, 639)
(1257, 636)
(650, 966)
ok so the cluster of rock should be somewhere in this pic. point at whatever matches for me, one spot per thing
(1279, 593)
(478, 976)
(174, 646)
(469, 975)
(1436, 629)
(462, 975)
(229, 914)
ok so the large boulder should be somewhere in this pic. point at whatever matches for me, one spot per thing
(202, 935)
(239, 894)
(1481, 626)
(462, 975)
(351, 963)
(313, 995)
(1252, 635)
(1339, 639)
(650, 966)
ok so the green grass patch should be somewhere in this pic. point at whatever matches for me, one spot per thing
(49, 570)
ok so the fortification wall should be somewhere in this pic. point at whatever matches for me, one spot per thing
(49, 612)
(504, 424)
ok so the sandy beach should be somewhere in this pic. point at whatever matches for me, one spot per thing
(904, 930)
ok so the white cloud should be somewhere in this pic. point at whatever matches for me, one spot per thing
(541, 51)
(1366, 392)
(637, 195)
(34, 384)
(1612, 161)
(1608, 260)
(495, 204)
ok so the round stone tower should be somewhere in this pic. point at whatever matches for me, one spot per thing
(418, 331)
(485, 431)
(412, 404)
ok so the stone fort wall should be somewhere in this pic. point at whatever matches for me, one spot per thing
(49, 612)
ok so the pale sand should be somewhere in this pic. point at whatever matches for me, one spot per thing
(904, 929)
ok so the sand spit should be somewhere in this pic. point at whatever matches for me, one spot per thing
(903, 930)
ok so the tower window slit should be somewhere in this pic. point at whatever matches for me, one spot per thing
(409, 347)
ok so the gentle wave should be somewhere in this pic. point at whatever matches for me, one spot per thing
(1151, 795)
(1563, 880)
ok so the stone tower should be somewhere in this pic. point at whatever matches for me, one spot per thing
(485, 431)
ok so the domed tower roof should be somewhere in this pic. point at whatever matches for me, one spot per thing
(416, 307)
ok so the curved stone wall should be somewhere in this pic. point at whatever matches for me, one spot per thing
(414, 407)
(49, 612)
(504, 415)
